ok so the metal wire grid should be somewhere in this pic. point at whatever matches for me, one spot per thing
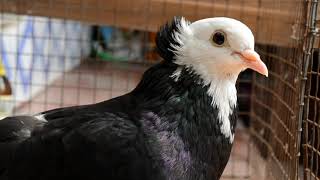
(274, 116)
(14, 56)
(275, 105)
(311, 143)
(44, 60)
(275, 101)
(311, 114)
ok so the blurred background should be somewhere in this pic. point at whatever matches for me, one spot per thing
(57, 53)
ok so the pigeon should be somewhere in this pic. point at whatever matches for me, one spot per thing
(178, 123)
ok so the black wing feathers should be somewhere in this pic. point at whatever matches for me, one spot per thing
(85, 145)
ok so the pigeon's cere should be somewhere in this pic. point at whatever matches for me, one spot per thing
(177, 124)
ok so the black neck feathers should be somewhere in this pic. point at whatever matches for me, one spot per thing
(185, 112)
(165, 38)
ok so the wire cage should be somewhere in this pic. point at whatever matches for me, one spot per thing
(59, 53)
(311, 111)
(311, 118)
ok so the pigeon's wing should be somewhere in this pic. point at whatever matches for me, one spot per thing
(86, 145)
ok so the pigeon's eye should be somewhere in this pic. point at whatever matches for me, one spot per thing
(218, 38)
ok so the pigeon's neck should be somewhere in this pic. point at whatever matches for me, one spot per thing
(210, 104)
(209, 114)
(220, 89)
(187, 121)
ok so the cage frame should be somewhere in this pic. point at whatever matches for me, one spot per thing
(309, 44)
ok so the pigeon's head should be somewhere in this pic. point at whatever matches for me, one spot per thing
(213, 48)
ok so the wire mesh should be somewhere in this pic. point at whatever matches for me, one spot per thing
(311, 114)
(68, 57)
(274, 116)
(311, 145)
(275, 101)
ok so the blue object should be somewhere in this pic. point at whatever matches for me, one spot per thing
(106, 32)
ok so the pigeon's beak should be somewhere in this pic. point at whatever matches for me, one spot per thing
(253, 61)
